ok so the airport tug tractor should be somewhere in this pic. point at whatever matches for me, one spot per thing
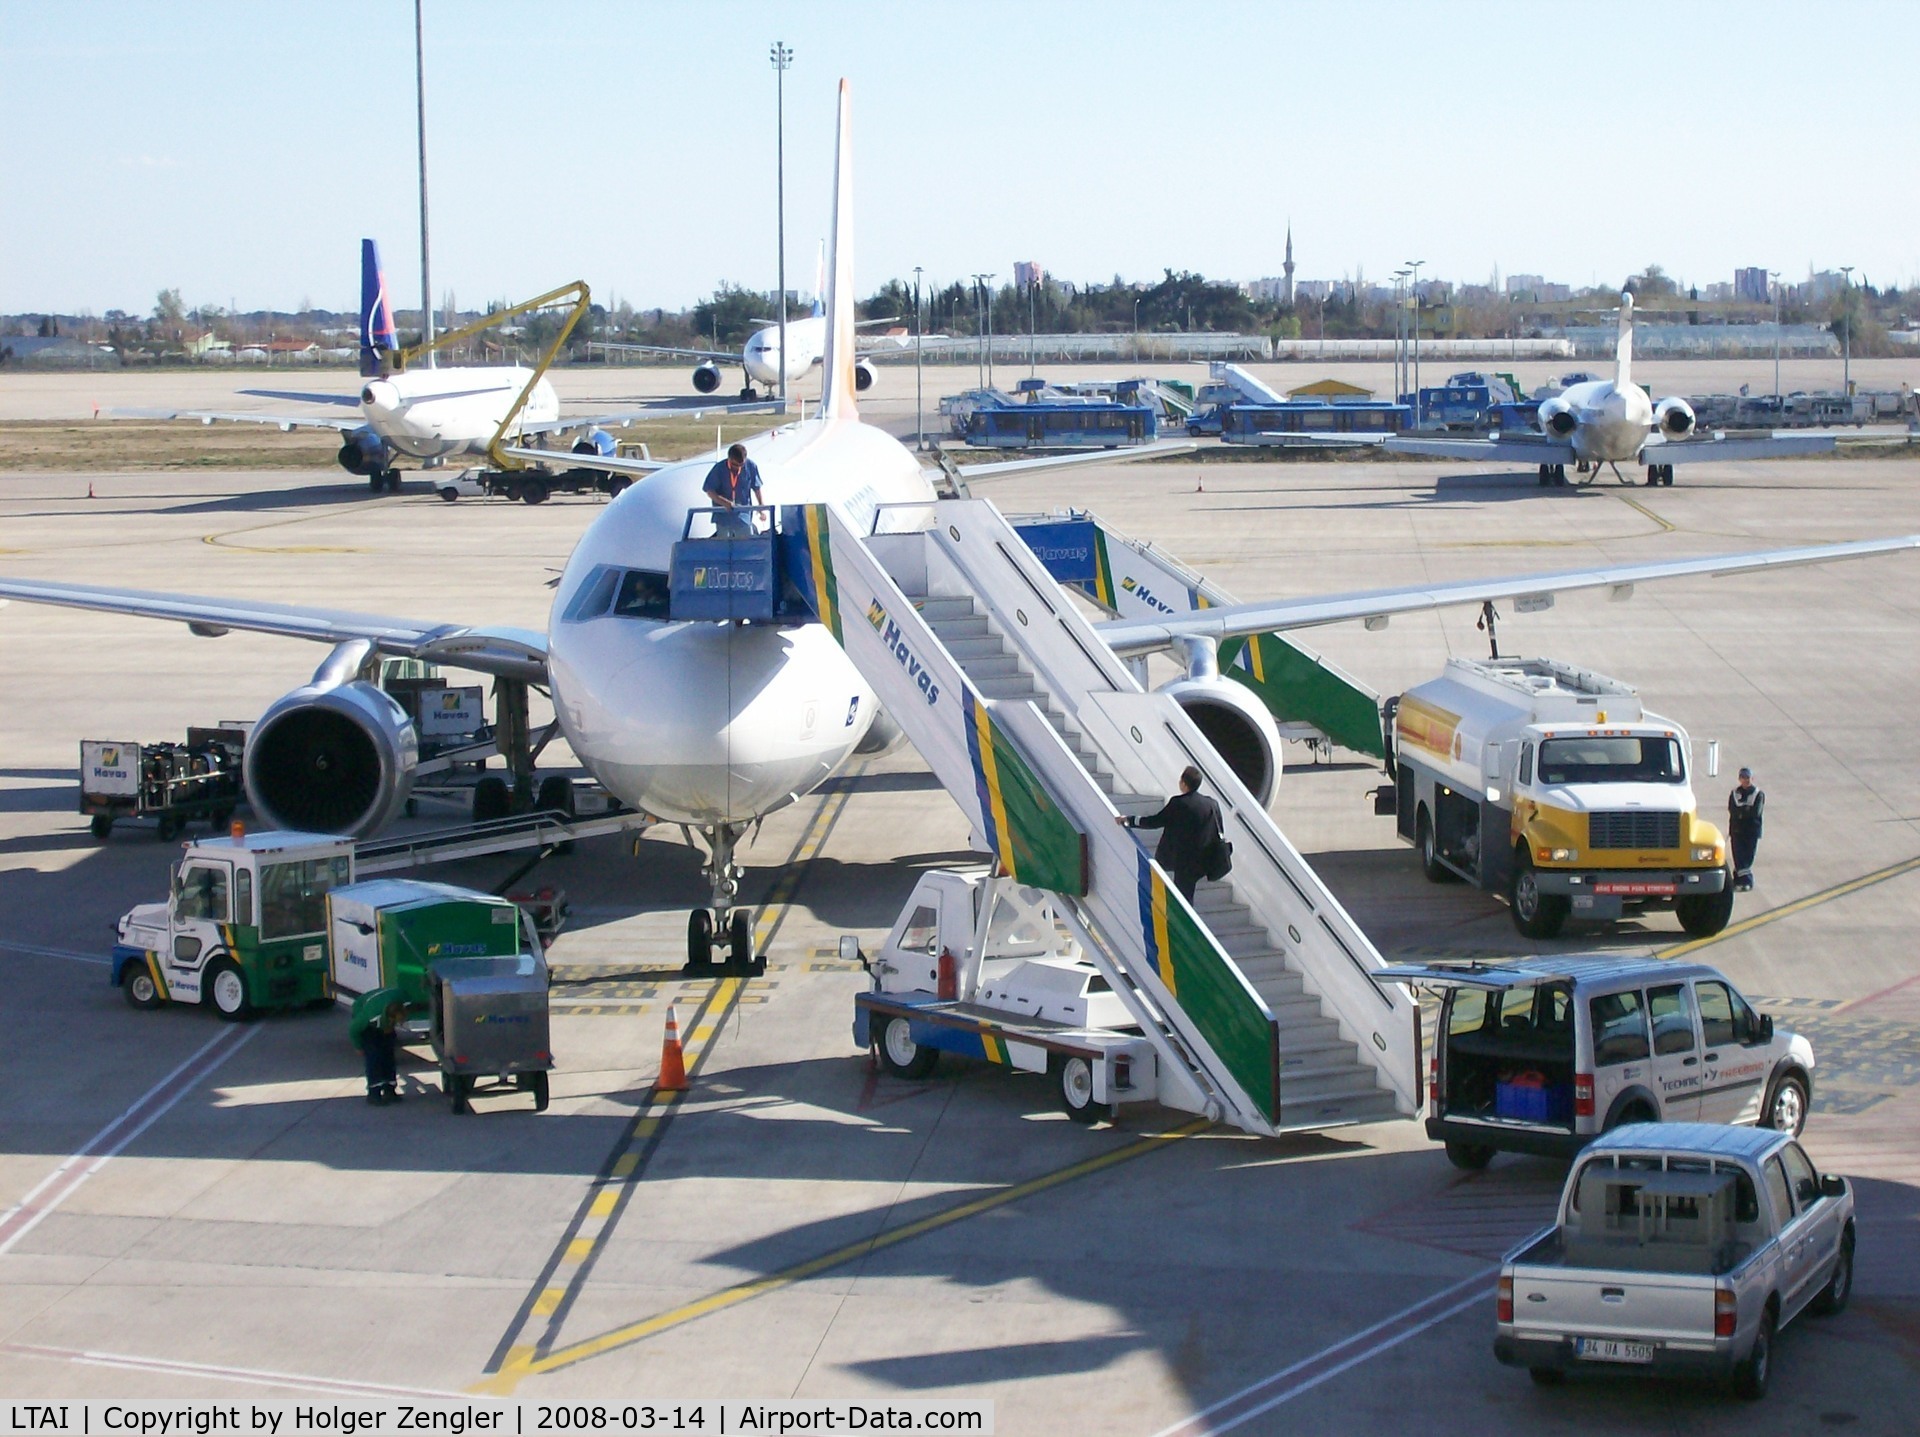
(1551, 785)
(982, 967)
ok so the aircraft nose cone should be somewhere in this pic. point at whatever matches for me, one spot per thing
(380, 397)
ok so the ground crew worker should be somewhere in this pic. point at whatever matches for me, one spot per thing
(1191, 827)
(374, 1027)
(734, 485)
(1746, 807)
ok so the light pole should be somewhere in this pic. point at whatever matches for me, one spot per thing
(919, 430)
(781, 57)
(1846, 323)
(1136, 330)
(1773, 281)
(420, 97)
(989, 289)
(1413, 265)
(1399, 334)
(1033, 290)
(980, 326)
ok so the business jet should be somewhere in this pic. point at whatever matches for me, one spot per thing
(714, 726)
(1610, 422)
(428, 415)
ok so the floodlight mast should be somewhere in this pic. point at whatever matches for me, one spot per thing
(781, 56)
(420, 97)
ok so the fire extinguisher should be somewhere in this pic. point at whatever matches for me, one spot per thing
(948, 988)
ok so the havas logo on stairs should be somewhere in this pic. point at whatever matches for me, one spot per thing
(889, 633)
(1146, 596)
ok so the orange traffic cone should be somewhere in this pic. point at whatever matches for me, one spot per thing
(1200, 484)
(89, 488)
(673, 1060)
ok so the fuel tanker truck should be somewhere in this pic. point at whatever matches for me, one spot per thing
(1552, 786)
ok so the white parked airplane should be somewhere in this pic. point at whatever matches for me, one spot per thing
(1612, 422)
(713, 725)
(430, 415)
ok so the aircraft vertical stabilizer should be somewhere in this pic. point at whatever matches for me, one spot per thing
(836, 397)
(820, 283)
(1623, 347)
(377, 338)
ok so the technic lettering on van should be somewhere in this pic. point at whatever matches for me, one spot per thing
(889, 633)
(1145, 595)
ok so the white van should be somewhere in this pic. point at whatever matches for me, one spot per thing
(1541, 1054)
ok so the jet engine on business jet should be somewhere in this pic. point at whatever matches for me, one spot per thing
(1674, 417)
(336, 755)
(1557, 418)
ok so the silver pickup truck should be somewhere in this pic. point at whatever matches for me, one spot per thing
(1680, 1248)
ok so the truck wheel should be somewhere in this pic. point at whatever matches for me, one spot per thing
(457, 1094)
(1706, 914)
(227, 991)
(1750, 1377)
(1430, 864)
(537, 1084)
(1787, 1105)
(1469, 1157)
(165, 827)
(903, 1057)
(100, 825)
(491, 799)
(1833, 1297)
(1535, 914)
(136, 981)
(534, 491)
(1076, 1089)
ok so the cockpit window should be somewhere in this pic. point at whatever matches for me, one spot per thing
(595, 595)
(643, 595)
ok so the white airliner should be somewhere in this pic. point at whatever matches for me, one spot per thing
(430, 415)
(1613, 422)
(711, 725)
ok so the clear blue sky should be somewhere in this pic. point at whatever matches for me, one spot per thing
(238, 151)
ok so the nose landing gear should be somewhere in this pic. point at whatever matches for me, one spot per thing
(722, 924)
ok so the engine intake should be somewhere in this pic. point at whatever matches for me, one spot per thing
(1674, 416)
(706, 377)
(1238, 726)
(863, 376)
(1557, 418)
(334, 756)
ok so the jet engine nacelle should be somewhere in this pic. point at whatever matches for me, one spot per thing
(706, 377)
(883, 735)
(1238, 726)
(1557, 418)
(863, 376)
(1674, 416)
(334, 756)
(363, 452)
(596, 442)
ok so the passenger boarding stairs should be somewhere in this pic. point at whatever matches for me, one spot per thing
(1260, 998)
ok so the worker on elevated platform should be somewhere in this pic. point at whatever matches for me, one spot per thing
(734, 486)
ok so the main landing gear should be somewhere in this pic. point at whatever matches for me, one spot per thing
(1660, 474)
(1553, 474)
(722, 924)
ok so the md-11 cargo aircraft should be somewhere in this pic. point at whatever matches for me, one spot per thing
(433, 415)
(714, 726)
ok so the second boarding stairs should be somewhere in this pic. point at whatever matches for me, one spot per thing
(1260, 998)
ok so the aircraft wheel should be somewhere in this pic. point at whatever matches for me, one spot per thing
(1546, 475)
(491, 799)
(376, 481)
(699, 938)
(740, 937)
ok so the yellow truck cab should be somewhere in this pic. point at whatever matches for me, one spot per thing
(1550, 784)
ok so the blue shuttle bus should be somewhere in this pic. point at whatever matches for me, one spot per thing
(1276, 423)
(1061, 426)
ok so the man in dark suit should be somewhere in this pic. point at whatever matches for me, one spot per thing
(1190, 826)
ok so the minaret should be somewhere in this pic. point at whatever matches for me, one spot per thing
(1287, 268)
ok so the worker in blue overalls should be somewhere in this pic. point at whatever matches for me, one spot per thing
(734, 487)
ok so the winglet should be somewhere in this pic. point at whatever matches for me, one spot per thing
(1623, 347)
(836, 398)
(377, 338)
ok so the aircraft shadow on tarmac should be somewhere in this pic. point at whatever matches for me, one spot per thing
(304, 496)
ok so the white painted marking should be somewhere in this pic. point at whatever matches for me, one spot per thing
(146, 1110)
(34, 950)
(1199, 1423)
(258, 1377)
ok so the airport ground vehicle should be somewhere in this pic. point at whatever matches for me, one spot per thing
(1059, 424)
(245, 929)
(1678, 1250)
(1539, 1055)
(1552, 785)
(472, 963)
(171, 783)
(980, 967)
(1277, 423)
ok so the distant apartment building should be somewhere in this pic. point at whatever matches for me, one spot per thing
(1270, 289)
(1718, 293)
(1750, 285)
(1822, 287)
(1027, 272)
(1532, 289)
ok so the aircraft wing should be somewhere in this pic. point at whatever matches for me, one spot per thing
(1779, 444)
(283, 422)
(351, 401)
(1001, 468)
(716, 355)
(509, 652)
(667, 408)
(1137, 636)
(1528, 449)
(611, 464)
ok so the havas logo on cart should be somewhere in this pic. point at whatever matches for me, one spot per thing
(889, 633)
(1145, 595)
